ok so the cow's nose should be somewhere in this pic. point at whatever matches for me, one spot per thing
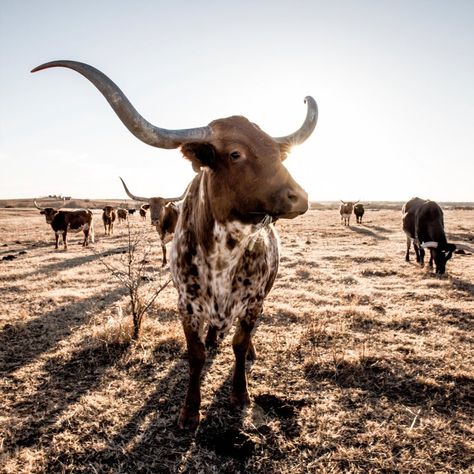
(298, 199)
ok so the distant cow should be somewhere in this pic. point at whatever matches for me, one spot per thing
(72, 221)
(345, 210)
(163, 215)
(108, 217)
(122, 215)
(423, 224)
(359, 212)
(131, 211)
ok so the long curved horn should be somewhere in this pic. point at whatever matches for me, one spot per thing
(40, 208)
(132, 196)
(141, 128)
(306, 129)
(429, 245)
(180, 198)
(464, 247)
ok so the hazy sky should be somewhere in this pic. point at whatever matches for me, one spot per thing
(394, 82)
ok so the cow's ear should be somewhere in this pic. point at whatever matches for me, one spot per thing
(199, 154)
(450, 248)
(284, 151)
(42, 212)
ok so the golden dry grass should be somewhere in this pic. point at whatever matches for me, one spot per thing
(365, 362)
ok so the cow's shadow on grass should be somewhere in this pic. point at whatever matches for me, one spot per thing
(64, 383)
(369, 233)
(463, 285)
(150, 437)
(81, 260)
(378, 378)
(23, 342)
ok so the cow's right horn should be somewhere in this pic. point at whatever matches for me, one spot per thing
(303, 133)
(132, 196)
(142, 129)
(464, 247)
(429, 245)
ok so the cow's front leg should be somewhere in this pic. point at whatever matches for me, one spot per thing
(189, 415)
(241, 343)
(56, 236)
(65, 240)
(163, 249)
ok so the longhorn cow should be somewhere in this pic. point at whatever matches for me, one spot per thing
(345, 209)
(423, 224)
(73, 221)
(163, 213)
(225, 251)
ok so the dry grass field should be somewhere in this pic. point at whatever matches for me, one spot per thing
(365, 362)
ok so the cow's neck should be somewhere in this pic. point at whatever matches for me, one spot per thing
(215, 228)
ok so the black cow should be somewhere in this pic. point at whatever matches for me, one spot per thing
(359, 212)
(423, 224)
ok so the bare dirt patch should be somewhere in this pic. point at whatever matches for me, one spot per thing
(365, 362)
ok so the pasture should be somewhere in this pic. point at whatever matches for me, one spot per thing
(365, 362)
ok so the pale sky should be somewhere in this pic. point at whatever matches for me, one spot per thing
(394, 82)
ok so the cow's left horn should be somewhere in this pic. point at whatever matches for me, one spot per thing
(132, 196)
(142, 129)
(37, 207)
(306, 129)
(429, 245)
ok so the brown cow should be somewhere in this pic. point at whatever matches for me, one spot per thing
(108, 217)
(122, 215)
(225, 251)
(164, 221)
(72, 221)
(345, 209)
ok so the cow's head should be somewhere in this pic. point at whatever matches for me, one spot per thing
(48, 212)
(247, 178)
(154, 204)
(108, 211)
(441, 254)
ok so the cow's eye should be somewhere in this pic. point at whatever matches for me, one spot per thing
(235, 156)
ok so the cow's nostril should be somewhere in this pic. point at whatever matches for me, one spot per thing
(291, 196)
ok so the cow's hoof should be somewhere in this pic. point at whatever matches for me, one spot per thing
(188, 421)
(240, 400)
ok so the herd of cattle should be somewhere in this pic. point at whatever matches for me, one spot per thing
(225, 251)
(422, 222)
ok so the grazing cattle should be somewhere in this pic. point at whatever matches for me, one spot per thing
(142, 210)
(131, 211)
(108, 218)
(225, 251)
(122, 215)
(359, 212)
(72, 221)
(345, 209)
(423, 224)
(164, 221)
